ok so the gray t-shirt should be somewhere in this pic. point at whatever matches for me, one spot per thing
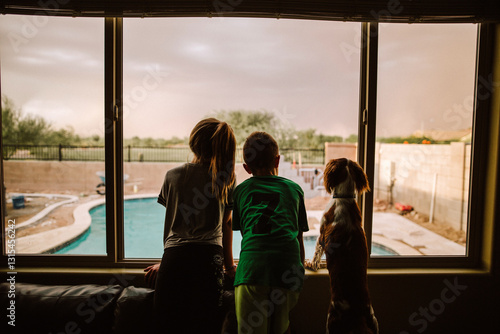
(193, 213)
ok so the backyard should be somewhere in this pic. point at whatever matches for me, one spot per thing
(138, 184)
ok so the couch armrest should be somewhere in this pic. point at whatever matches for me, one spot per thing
(134, 311)
(62, 308)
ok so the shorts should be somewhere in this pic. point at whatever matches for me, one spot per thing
(263, 309)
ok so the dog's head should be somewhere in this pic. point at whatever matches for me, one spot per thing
(342, 177)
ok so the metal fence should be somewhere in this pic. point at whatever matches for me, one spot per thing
(53, 152)
(304, 155)
(138, 154)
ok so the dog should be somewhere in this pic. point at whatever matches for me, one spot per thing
(343, 241)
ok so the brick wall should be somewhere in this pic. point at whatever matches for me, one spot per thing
(419, 171)
(79, 177)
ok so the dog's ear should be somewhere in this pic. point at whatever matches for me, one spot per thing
(359, 176)
(334, 174)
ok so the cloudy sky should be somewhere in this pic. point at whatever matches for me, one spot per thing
(177, 71)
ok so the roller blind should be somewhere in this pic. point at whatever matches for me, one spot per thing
(409, 11)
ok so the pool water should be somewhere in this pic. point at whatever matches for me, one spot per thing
(144, 233)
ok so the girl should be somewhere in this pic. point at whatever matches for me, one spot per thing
(197, 234)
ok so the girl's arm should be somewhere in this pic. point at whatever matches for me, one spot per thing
(151, 273)
(227, 244)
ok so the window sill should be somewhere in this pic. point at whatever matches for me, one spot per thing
(127, 276)
(414, 271)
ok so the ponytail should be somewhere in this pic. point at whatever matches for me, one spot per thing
(213, 142)
(222, 161)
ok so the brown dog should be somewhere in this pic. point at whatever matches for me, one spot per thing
(343, 241)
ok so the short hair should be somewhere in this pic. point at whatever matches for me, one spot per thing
(260, 151)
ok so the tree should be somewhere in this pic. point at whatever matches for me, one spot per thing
(96, 138)
(10, 119)
(309, 139)
(32, 130)
(352, 139)
(62, 137)
(245, 122)
(18, 129)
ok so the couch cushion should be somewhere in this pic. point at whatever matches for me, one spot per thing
(63, 308)
(134, 311)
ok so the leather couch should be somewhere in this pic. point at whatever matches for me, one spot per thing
(72, 309)
(80, 309)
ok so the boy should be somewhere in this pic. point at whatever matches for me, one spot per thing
(269, 210)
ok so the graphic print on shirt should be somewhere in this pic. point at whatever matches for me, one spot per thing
(271, 202)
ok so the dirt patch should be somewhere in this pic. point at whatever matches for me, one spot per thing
(32, 206)
(437, 227)
(59, 217)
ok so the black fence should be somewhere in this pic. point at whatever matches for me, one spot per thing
(53, 152)
(138, 154)
(307, 156)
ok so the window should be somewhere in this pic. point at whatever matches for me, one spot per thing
(257, 74)
(183, 73)
(424, 136)
(53, 146)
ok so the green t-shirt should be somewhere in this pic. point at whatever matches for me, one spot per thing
(269, 211)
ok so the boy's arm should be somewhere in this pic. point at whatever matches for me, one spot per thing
(302, 250)
(303, 222)
(303, 227)
(227, 244)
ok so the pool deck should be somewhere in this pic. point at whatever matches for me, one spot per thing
(401, 235)
(408, 238)
(389, 229)
(49, 241)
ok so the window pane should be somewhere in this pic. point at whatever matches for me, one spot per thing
(52, 95)
(298, 79)
(424, 126)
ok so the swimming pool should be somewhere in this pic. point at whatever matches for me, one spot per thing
(144, 232)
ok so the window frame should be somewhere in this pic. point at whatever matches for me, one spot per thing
(115, 257)
(479, 147)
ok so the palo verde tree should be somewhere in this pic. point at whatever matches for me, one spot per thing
(244, 122)
(19, 129)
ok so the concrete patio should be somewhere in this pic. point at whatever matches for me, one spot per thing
(402, 235)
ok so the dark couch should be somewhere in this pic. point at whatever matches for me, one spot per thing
(80, 309)
(73, 309)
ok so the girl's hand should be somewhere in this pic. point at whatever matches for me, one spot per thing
(231, 272)
(151, 273)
